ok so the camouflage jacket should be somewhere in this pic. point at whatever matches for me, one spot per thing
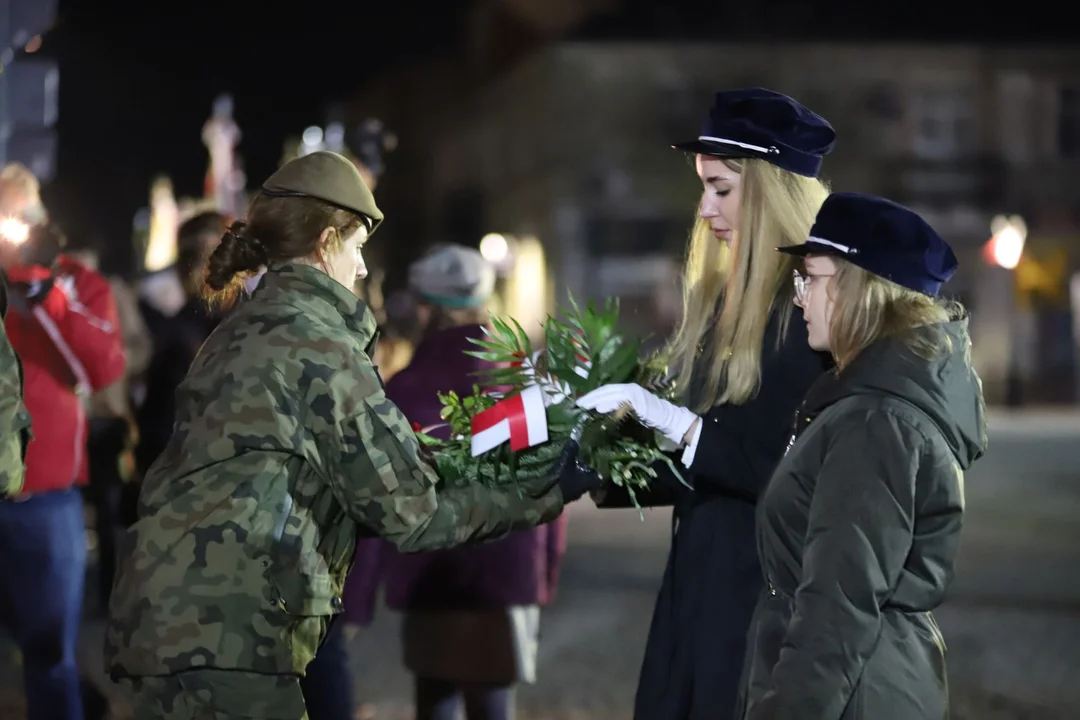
(285, 451)
(14, 420)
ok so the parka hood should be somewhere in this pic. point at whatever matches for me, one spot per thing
(945, 387)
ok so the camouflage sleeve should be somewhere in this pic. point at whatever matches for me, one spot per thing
(14, 420)
(387, 486)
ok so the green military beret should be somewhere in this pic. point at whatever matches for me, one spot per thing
(329, 177)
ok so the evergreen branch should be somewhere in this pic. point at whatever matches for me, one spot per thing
(618, 447)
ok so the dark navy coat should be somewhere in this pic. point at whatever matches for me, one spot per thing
(697, 640)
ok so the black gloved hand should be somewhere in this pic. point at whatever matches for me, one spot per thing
(575, 478)
(24, 297)
(37, 290)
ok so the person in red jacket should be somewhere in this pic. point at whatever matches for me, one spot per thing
(62, 322)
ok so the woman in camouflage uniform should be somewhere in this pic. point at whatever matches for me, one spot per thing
(14, 420)
(285, 451)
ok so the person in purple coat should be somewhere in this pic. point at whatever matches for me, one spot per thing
(471, 613)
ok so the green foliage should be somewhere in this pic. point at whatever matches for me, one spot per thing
(617, 446)
(457, 412)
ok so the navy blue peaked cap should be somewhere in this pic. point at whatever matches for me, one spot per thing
(883, 238)
(760, 123)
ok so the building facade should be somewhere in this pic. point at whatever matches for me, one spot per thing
(572, 146)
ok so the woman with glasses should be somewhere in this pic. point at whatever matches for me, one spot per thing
(859, 526)
(743, 366)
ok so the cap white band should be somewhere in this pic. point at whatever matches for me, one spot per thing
(744, 146)
(842, 248)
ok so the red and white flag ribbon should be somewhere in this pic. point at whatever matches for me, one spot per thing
(521, 419)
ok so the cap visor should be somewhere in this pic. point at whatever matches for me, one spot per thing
(808, 248)
(699, 147)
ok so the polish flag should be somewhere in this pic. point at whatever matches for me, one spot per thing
(521, 419)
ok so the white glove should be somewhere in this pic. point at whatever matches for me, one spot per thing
(671, 421)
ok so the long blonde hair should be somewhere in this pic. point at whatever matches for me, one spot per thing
(729, 294)
(867, 308)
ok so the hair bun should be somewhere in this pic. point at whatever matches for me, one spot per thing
(240, 234)
(238, 252)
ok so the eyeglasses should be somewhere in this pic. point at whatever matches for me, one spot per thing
(802, 287)
(803, 283)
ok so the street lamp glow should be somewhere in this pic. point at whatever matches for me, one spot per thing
(494, 248)
(14, 230)
(312, 136)
(1006, 247)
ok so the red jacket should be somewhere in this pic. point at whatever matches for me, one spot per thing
(71, 346)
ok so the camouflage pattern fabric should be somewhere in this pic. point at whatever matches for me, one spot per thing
(14, 419)
(285, 450)
(217, 695)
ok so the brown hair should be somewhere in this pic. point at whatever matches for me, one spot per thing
(277, 229)
(194, 242)
(867, 308)
(21, 176)
(443, 318)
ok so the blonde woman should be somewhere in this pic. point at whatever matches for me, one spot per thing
(744, 363)
(860, 524)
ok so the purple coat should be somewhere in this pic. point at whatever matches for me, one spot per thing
(520, 569)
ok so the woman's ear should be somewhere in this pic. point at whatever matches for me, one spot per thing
(327, 239)
(324, 247)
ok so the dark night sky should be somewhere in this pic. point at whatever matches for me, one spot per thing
(138, 78)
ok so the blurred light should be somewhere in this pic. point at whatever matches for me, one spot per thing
(141, 221)
(34, 45)
(526, 295)
(312, 136)
(335, 136)
(14, 230)
(1006, 246)
(494, 248)
(161, 247)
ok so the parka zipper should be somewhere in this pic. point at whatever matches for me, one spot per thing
(796, 430)
(801, 420)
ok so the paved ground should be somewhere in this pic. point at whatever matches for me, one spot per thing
(1012, 622)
